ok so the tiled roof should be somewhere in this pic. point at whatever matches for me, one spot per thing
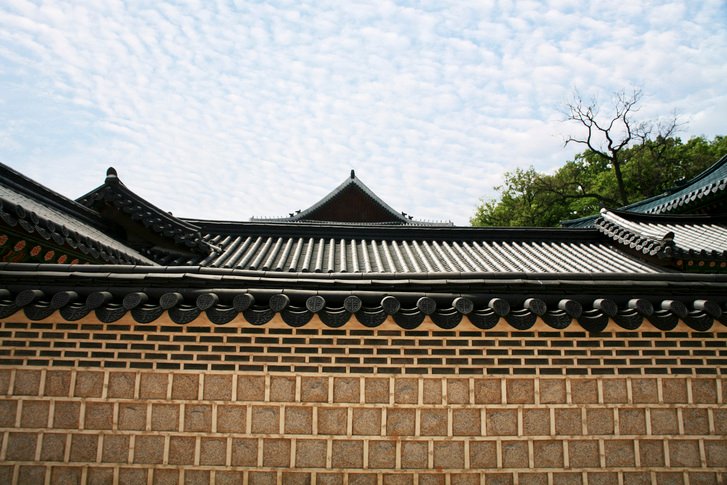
(694, 236)
(177, 231)
(352, 202)
(35, 209)
(325, 249)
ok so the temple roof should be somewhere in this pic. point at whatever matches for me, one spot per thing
(352, 202)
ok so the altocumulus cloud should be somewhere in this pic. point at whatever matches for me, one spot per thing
(232, 109)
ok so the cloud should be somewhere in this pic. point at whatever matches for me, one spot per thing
(230, 110)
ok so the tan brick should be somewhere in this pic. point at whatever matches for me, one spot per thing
(568, 421)
(8, 411)
(346, 389)
(501, 422)
(684, 453)
(602, 478)
(651, 453)
(6, 471)
(88, 384)
(567, 478)
(362, 479)
(311, 453)
(35, 414)
(674, 389)
(406, 391)
(27, 383)
(548, 454)
(332, 420)
(57, 383)
(632, 421)
(488, 391)
(231, 418)
(599, 421)
(282, 389)
(483, 454)
(583, 454)
(198, 417)
(584, 391)
(533, 478)
(298, 420)
(619, 453)
(432, 479)
(263, 478)
(644, 390)
(115, 448)
(330, 479)
(696, 421)
(31, 474)
(552, 391)
(122, 385)
(228, 477)
(196, 477)
(347, 454)
(720, 420)
(21, 446)
(181, 450)
(53, 447)
(166, 476)
(131, 476)
(669, 478)
(398, 479)
(716, 452)
(520, 391)
(382, 454)
(466, 422)
(212, 451)
(66, 414)
(276, 452)
(149, 449)
(664, 421)
(414, 454)
(458, 391)
(99, 415)
(265, 419)
(637, 478)
(702, 478)
(185, 386)
(296, 478)
(250, 388)
(615, 391)
(62, 475)
(83, 447)
(164, 417)
(514, 454)
(400, 422)
(244, 452)
(366, 421)
(132, 416)
(704, 391)
(314, 389)
(217, 387)
(153, 386)
(433, 422)
(536, 422)
(376, 390)
(432, 391)
(474, 478)
(448, 454)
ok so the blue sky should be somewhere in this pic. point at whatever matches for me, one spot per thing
(233, 109)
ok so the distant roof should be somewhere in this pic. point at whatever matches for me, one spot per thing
(352, 202)
(692, 196)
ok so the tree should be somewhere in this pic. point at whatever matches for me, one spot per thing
(610, 136)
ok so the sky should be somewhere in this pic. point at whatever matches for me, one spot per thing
(231, 109)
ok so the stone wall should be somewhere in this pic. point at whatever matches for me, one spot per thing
(128, 403)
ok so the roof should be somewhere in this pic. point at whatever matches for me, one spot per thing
(352, 202)
(35, 211)
(702, 194)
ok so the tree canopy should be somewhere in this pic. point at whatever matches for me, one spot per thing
(588, 182)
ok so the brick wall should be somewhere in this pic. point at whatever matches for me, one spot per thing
(92, 414)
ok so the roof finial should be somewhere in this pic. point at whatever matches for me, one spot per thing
(111, 175)
(353, 174)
